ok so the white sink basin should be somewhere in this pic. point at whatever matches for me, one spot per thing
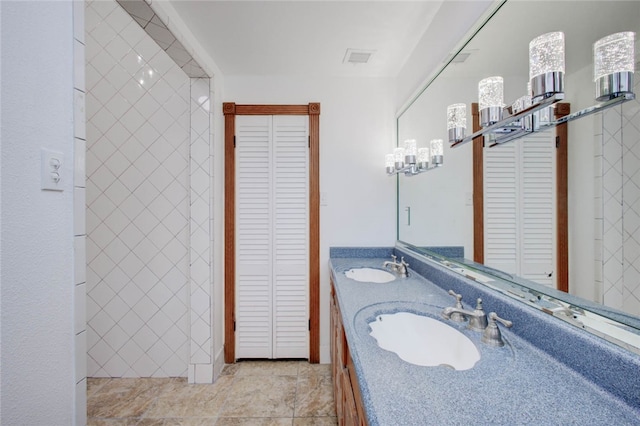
(370, 275)
(425, 341)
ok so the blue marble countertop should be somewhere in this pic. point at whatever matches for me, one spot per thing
(517, 384)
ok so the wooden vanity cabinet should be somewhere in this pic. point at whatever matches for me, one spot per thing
(349, 408)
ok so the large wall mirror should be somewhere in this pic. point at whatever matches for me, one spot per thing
(520, 178)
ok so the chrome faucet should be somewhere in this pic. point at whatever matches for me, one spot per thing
(477, 318)
(398, 267)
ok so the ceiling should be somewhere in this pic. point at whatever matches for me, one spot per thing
(307, 37)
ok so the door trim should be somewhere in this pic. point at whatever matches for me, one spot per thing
(230, 111)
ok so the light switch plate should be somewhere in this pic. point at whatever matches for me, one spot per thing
(52, 163)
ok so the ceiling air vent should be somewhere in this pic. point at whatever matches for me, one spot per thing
(460, 57)
(357, 56)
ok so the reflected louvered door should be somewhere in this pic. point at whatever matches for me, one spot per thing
(272, 237)
(519, 208)
(501, 207)
(537, 202)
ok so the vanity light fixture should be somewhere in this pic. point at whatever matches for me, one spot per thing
(456, 122)
(546, 65)
(613, 65)
(613, 74)
(411, 160)
(490, 100)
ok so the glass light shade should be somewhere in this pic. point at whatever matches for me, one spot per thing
(613, 53)
(457, 116)
(423, 155)
(546, 54)
(410, 151)
(522, 103)
(398, 155)
(437, 147)
(410, 147)
(398, 158)
(613, 65)
(491, 92)
(389, 161)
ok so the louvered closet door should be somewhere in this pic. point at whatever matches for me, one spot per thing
(272, 237)
(519, 179)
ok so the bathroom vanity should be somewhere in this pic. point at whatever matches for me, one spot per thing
(547, 372)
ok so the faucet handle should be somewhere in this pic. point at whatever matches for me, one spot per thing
(492, 335)
(457, 316)
(394, 257)
(458, 298)
(403, 262)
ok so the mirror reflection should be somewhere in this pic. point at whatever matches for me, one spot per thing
(521, 219)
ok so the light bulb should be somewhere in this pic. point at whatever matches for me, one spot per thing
(437, 151)
(456, 121)
(546, 64)
(490, 100)
(613, 65)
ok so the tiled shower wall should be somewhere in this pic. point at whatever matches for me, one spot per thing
(618, 206)
(138, 201)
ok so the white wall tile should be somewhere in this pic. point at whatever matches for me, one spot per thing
(80, 259)
(80, 310)
(139, 206)
(79, 206)
(78, 65)
(81, 397)
(81, 356)
(79, 169)
(79, 130)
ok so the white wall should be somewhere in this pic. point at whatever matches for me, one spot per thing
(356, 130)
(38, 367)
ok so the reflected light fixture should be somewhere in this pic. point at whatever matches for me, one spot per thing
(437, 151)
(613, 65)
(412, 160)
(456, 121)
(546, 65)
(490, 100)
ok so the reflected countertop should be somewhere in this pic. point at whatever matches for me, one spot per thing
(519, 383)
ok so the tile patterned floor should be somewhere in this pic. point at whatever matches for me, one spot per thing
(248, 393)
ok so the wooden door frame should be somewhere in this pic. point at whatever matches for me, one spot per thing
(231, 110)
(562, 214)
